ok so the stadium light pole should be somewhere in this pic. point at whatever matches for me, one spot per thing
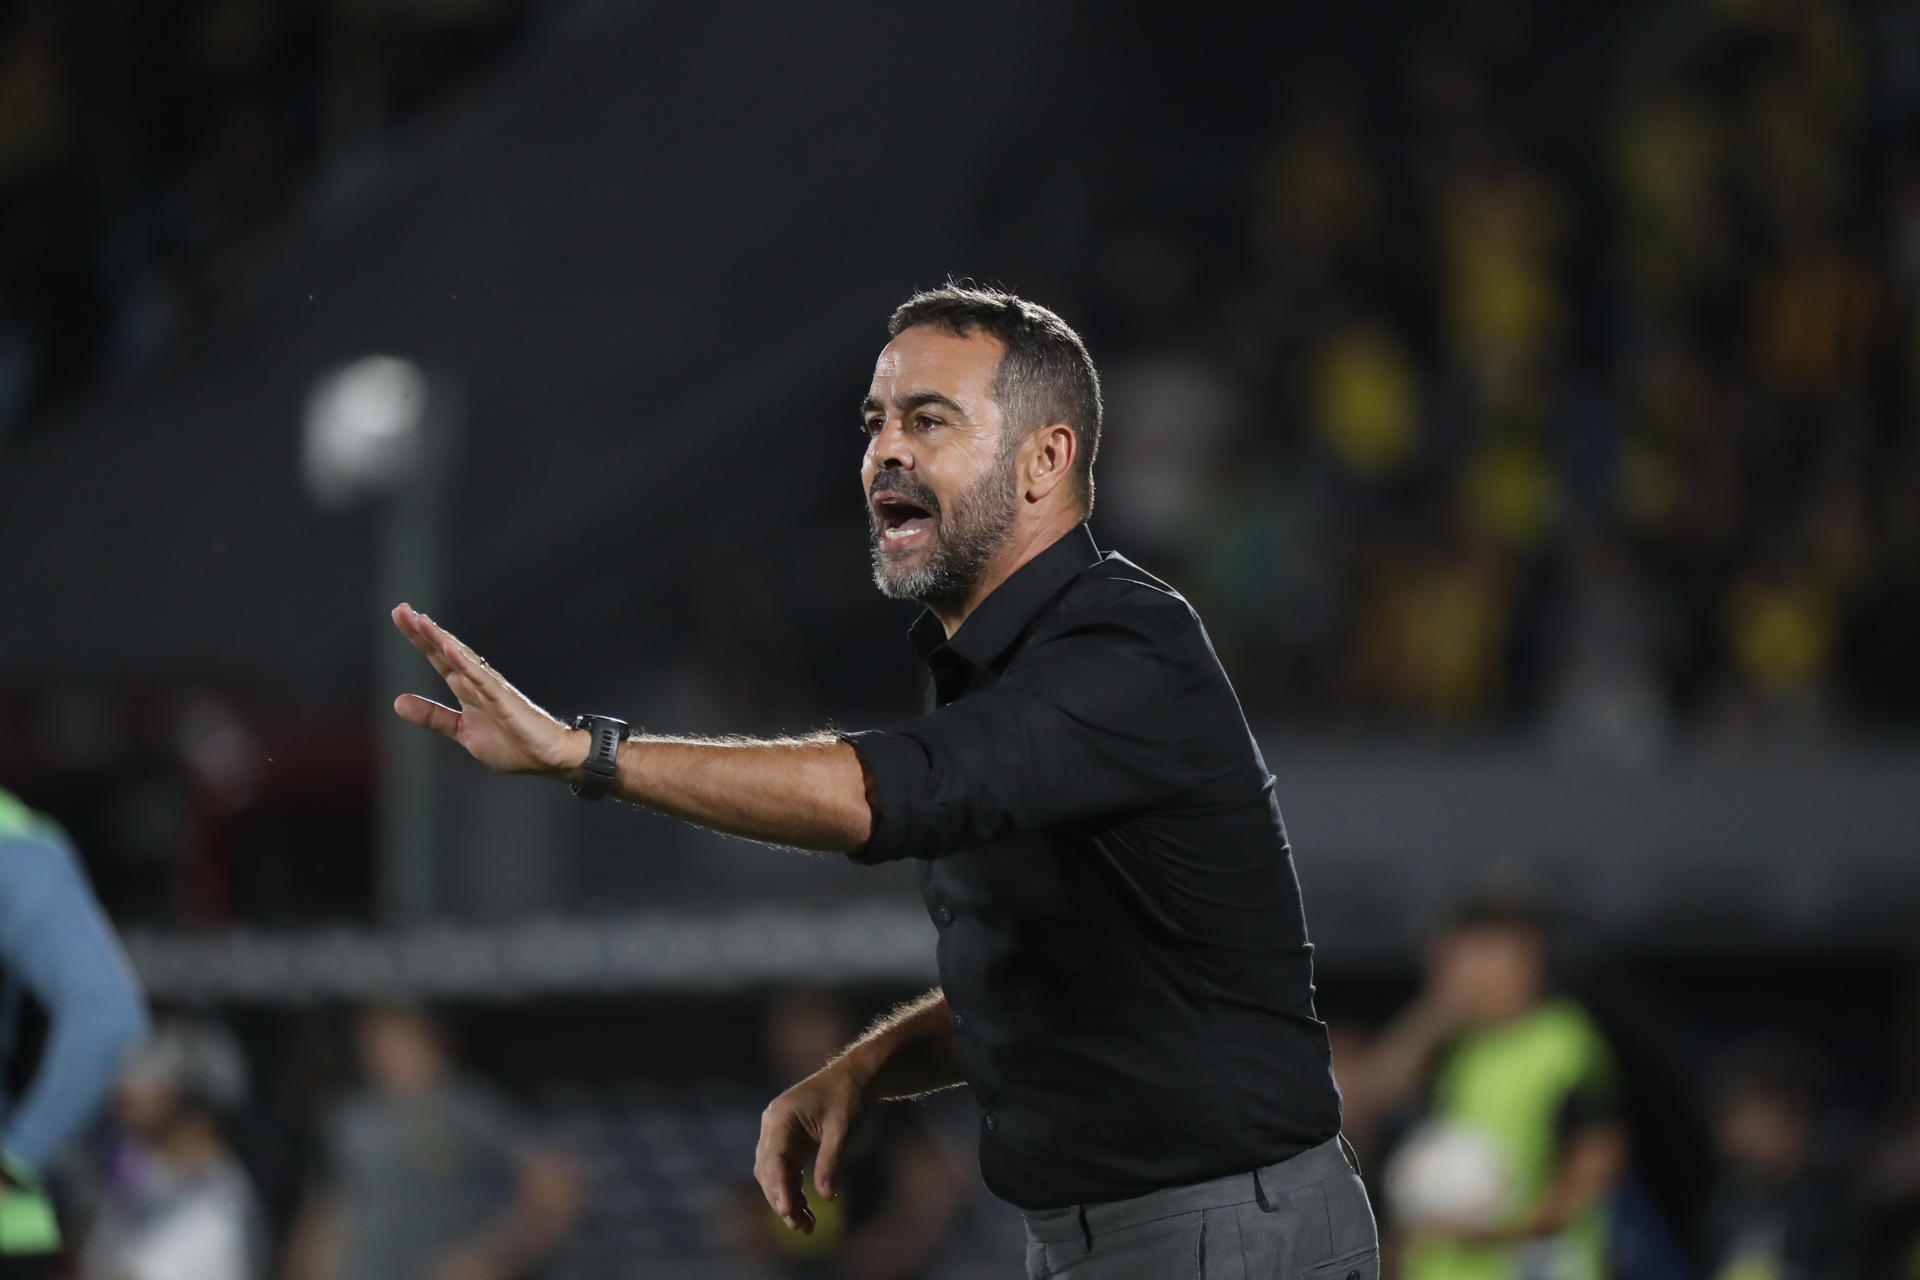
(380, 428)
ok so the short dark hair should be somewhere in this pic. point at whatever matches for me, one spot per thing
(1045, 376)
(1777, 1068)
(1505, 909)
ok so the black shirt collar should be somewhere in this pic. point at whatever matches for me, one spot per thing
(999, 619)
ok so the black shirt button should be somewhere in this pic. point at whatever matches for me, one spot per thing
(959, 1021)
(993, 1122)
(946, 915)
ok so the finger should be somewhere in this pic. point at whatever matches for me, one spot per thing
(412, 625)
(777, 1172)
(474, 683)
(443, 638)
(780, 1184)
(428, 714)
(833, 1138)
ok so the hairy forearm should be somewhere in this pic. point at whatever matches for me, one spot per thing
(909, 1052)
(806, 792)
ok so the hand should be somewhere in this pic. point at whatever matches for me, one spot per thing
(497, 724)
(1472, 1236)
(811, 1119)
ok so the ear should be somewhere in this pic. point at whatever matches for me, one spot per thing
(1047, 460)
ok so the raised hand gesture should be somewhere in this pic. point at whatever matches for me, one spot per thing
(499, 726)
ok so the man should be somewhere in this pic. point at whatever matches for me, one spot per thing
(1521, 1142)
(429, 1173)
(1778, 1210)
(1126, 981)
(177, 1204)
(70, 1010)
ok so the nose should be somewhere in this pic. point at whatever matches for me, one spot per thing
(888, 450)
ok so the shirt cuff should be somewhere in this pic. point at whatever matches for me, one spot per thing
(892, 761)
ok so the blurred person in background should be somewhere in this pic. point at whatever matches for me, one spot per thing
(1512, 1139)
(1775, 1213)
(70, 1009)
(899, 1191)
(176, 1203)
(430, 1174)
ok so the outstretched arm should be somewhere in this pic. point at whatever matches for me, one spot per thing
(807, 792)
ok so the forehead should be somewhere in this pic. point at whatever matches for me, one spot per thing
(925, 358)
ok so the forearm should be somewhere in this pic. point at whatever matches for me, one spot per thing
(83, 1056)
(909, 1052)
(805, 792)
(1591, 1168)
(543, 1210)
(1392, 1066)
(56, 940)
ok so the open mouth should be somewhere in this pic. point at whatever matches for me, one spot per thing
(902, 523)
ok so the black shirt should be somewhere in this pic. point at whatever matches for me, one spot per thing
(1121, 939)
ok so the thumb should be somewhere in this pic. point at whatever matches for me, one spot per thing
(428, 714)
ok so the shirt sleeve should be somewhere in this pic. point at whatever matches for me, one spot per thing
(1081, 727)
(55, 940)
(1594, 1101)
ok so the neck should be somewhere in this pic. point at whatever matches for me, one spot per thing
(1027, 542)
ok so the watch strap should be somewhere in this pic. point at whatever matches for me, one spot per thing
(601, 767)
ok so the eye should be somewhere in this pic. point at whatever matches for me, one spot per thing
(926, 421)
(870, 427)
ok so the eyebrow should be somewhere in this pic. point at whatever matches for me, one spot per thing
(918, 400)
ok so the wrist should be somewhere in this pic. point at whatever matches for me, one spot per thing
(569, 755)
(860, 1065)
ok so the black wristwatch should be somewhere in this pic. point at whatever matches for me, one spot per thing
(602, 763)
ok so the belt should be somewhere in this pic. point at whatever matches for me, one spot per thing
(1084, 1221)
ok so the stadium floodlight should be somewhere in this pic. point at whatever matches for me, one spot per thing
(381, 428)
(365, 428)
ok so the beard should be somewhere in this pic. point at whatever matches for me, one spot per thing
(947, 569)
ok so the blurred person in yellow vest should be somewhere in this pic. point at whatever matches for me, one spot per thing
(1512, 1139)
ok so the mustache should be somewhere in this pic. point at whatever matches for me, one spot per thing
(918, 494)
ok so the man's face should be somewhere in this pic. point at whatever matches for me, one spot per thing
(941, 492)
(1488, 974)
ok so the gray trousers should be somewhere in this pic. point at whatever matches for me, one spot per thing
(1302, 1219)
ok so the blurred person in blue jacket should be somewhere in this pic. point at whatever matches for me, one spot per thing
(70, 1010)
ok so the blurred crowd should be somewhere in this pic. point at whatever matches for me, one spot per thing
(1557, 369)
(1503, 1130)
(1563, 370)
(1507, 1130)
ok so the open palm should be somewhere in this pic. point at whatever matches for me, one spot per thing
(498, 725)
